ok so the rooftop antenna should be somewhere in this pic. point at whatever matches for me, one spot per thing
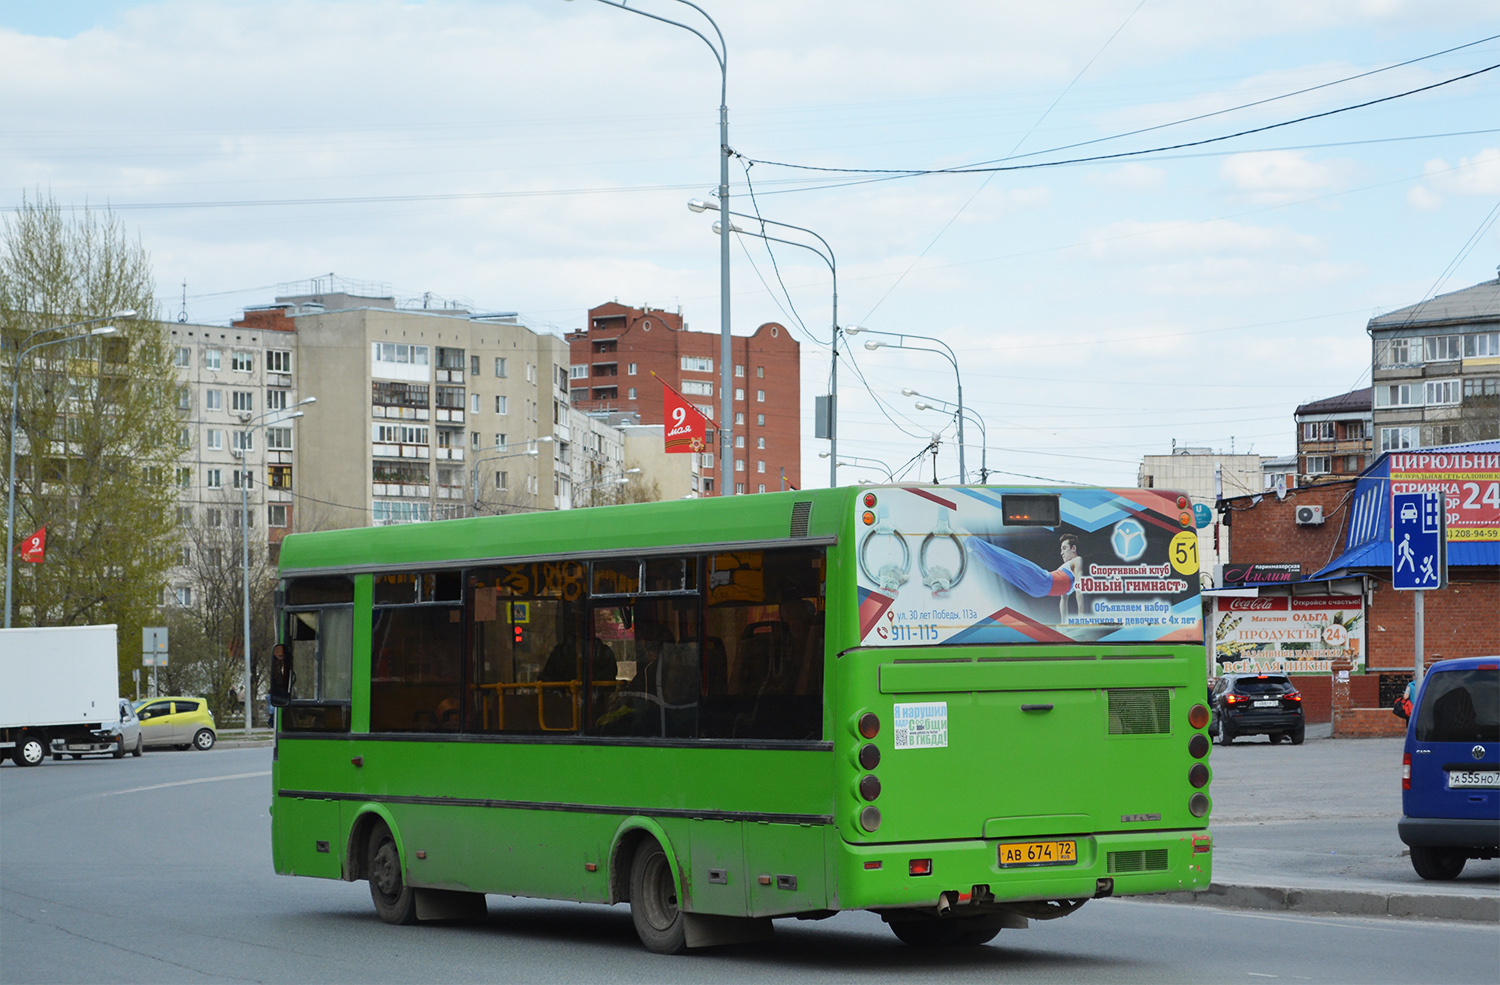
(182, 314)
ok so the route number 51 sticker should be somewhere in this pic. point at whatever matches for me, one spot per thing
(1184, 553)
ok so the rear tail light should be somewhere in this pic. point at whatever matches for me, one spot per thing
(1202, 844)
(869, 818)
(1198, 805)
(1198, 746)
(1406, 771)
(869, 757)
(919, 867)
(1294, 696)
(1234, 699)
(869, 786)
(1198, 775)
(874, 865)
(1198, 716)
(869, 725)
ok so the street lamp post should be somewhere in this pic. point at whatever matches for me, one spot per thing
(244, 455)
(697, 205)
(945, 352)
(857, 460)
(726, 353)
(15, 394)
(531, 450)
(971, 414)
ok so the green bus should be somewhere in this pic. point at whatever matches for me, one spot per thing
(961, 708)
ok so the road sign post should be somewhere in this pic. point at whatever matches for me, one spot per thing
(1419, 557)
(154, 652)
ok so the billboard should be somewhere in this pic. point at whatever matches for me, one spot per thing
(988, 564)
(1301, 635)
(1470, 482)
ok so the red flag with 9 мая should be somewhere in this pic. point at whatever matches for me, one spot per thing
(34, 548)
(686, 430)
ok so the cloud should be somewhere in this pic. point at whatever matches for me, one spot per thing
(1477, 175)
(1132, 177)
(1146, 241)
(1277, 177)
(1423, 199)
(1240, 277)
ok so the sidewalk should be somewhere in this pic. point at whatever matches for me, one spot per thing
(1312, 828)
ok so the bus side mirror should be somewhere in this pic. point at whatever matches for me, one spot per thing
(281, 677)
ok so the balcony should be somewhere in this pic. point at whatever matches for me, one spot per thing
(401, 489)
(450, 454)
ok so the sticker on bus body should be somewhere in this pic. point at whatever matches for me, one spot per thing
(922, 726)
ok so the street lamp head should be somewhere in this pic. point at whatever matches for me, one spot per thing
(822, 454)
(853, 329)
(296, 415)
(698, 205)
(922, 406)
(304, 402)
(718, 228)
(104, 330)
(124, 313)
(874, 344)
(907, 391)
(635, 471)
(545, 437)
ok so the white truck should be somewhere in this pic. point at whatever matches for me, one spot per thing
(57, 682)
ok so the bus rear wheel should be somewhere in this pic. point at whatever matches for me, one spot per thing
(653, 901)
(395, 901)
(952, 932)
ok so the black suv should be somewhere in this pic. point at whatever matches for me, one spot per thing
(1256, 704)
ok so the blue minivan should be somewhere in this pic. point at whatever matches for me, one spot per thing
(1450, 774)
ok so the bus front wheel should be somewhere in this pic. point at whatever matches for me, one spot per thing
(653, 901)
(395, 901)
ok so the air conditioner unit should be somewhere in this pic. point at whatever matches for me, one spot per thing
(1309, 516)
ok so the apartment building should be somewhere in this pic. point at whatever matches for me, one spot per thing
(424, 413)
(1335, 436)
(1207, 477)
(619, 362)
(1436, 369)
(238, 389)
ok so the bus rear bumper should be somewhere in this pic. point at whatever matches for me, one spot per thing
(969, 873)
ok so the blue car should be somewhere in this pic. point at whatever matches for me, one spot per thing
(1450, 774)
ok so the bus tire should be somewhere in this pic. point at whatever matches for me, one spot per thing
(394, 900)
(653, 900)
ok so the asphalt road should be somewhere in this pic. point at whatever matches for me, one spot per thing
(158, 870)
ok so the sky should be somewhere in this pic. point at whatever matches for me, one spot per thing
(537, 156)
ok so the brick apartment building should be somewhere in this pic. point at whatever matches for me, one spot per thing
(613, 360)
(1335, 436)
(1338, 535)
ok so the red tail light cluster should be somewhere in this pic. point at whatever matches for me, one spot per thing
(1406, 771)
(869, 758)
(1198, 774)
(1294, 696)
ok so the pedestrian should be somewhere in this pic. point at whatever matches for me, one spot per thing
(1402, 707)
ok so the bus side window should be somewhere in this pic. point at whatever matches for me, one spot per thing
(526, 671)
(320, 650)
(416, 655)
(765, 610)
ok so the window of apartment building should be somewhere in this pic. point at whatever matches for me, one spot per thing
(280, 439)
(630, 393)
(1398, 439)
(1482, 346)
(502, 405)
(384, 394)
(760, 466)
(234, 516)
(1399, 395)
(213, 517)
(739, 370)
(280, 476)
(562, 379)
(474, 403)
(1317, 431)
(739, 489)
(213, 478)
(1352, 463)
(1398, 352)
(278, 361)
(450, 397)
(184, 477)
(213, 359)
(739, 441)
(760, 420)
(1355, 431)
(697, 364)
(244, 400)
(577, 372)
(760, 443)
(276, 399)
(760, 488)
(760, 372)
(1318, 465)
(502, 480)
(474, 441)
(184, 437)
(184, 516)
(213, 439)
(1441, 392)
(708, 459)
(760, 396)
(400, 473)
(501, 373)
(246, 476)
(184, 398)
(532, 485)
(530, 373)
(276, 515)
(630, 369)
(449, 358)
(1441, 348)
(1483, 386)
(739, 465)
(698, 388)
(397, 434)
(184, 596)
(708, 484)
(242, 362)
(402, 354)
(707, 410)
(242, 441)
(213, 399)
(739, 418)
(473, 365)
(1445, 434)
(184, 358)
(739, 393)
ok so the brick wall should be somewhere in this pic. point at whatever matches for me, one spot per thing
(1461, 621)
(1268, 532)
(1350, 720)
(1317, 697)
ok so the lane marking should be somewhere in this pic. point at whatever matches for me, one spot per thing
(185, 783)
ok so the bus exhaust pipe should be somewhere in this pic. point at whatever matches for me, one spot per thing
(946, 902)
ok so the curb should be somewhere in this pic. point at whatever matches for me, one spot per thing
(1344, 902)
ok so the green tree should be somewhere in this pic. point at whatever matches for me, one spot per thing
(97, 422)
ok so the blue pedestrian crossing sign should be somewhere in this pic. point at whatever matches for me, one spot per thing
(1419, 559)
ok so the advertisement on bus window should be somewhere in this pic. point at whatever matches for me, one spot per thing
(1280, 635)
(952, 565)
